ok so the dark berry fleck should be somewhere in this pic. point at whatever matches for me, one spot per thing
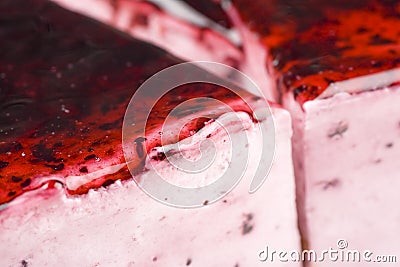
(42, 152)
(57, 167)
(58, 160)
(339, 130)
(159, 157)
(96, 143)
(18, 147)
(3, 164)
(188, 262)
(24, 263)
(16, 179)
(377, 39)
(377, 64)
(58, 144)
(362, 30)
(85, 130)
(12, 193)
(329, 184)
(297, 91)
(84, 169)
(91, 156)
(26, 183)
(247, 227)
(107, 183)
(389, 145)
(328, 81)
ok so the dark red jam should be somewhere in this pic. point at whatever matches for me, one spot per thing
(314, 43)
(65, 83)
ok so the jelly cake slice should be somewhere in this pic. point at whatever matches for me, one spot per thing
(335, 67)
(68, 198)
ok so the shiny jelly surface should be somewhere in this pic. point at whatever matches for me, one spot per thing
(315, 43)
(65, 83)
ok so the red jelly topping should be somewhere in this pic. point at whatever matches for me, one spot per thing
(314, 43)
(65, 83)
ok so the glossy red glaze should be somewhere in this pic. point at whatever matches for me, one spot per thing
(65, 82)
(314, 43)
